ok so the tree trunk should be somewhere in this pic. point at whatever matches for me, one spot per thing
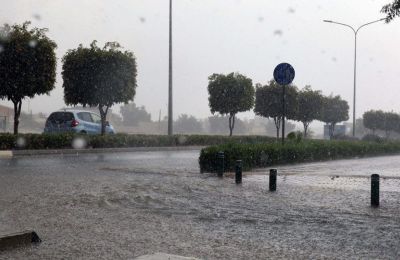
(331, 130)
(305, 129)
(231, 123)
(103, 115)
(17, 113)
(277, 122)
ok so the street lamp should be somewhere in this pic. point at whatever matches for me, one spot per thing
(355, 62)
(170, 116)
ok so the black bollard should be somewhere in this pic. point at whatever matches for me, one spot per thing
(238, 172)
(375, 190)
(220, 162)
(272, 179)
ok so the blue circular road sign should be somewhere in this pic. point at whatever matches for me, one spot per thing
(284, 74)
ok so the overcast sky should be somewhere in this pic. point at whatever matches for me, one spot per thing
(222, 36)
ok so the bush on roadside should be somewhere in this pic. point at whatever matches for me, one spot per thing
(296, 136)
(64, 141)
(264, 155)
(373, 138)
(343, 137)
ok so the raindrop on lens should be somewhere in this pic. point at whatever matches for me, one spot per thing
(182, 139)
(21, 142)
(37, 17)
(32, 43)
(278, 32)
(79, 143)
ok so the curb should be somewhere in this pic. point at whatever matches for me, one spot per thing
(163, 256)
(8, 153)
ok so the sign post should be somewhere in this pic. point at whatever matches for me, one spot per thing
(284, 74)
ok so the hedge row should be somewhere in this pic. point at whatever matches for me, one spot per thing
(64, 141)
(265, 155)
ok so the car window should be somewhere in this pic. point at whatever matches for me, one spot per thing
(52, 118)
(55, 117)
(67, 116)
(96, 118)
(85, 116)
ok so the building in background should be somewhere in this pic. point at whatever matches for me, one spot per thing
(340, 130)
(6, 116)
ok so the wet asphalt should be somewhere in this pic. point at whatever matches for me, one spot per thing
(123, 205)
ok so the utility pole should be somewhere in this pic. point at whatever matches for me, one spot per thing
(170, 116)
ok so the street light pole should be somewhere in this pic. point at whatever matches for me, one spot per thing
(355, 62)
(170, 116)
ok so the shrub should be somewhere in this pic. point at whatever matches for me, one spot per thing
(344, 137)
(64, 141)
(296, 136)
(263, 155)
(373, 138)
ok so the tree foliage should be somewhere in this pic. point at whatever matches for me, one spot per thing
(99, 77)
(391, 123)
(133, 115)
(186, 124)
(229, 95)
(334, 110)
(373, 120)
(380, 120)
(27, 64)
(309, 107)
(391, 10)
(269, 102)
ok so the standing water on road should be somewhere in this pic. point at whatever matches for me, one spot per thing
(130, 204)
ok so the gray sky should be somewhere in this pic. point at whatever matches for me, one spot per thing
(222, 36)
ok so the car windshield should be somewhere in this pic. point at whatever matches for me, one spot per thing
(199, 129)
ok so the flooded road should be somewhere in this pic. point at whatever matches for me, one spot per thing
(123, 205)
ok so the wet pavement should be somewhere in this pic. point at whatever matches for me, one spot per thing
(123, 205)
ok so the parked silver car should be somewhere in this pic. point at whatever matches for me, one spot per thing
(77, 121)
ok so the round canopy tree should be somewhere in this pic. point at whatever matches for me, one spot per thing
(229, 95)
(27, 65)
(309, 104)
(334, 110)
(374, 120)
(269, 103)
(99, 77)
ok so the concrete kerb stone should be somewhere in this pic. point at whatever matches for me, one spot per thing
(6, 154)
(163, 256)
